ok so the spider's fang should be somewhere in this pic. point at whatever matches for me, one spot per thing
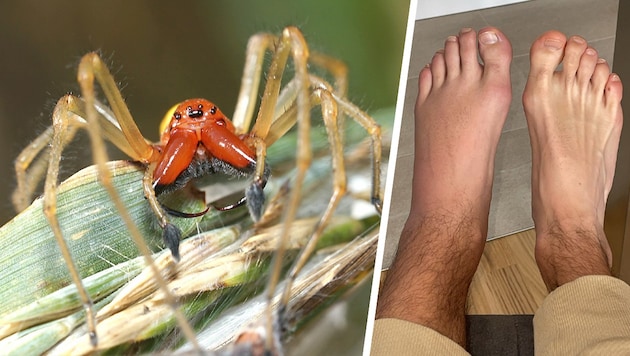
(171, 237)
(181, 214)
(231, 206)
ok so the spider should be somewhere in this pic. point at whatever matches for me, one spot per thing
(197, 139)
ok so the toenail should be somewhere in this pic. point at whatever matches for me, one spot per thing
(488, 38)
(591, 52)
(601, 60)
(466, 29)
(614, 78)
(451, 39)
(578, 39)
(553, 43)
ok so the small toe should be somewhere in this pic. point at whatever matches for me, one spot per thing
(614, 90)
(451, 57)
(573, 51)
(468, 52)
(425, 82)
(600, 75)
(587, 67)
(438, 68)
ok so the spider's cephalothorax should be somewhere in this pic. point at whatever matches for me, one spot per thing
(197, 140)
(197, 134)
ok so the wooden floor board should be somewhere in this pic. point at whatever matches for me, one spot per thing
(507, 280)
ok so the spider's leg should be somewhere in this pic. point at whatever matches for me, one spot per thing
(291, 42)
(62, 117)
(32, 163)
(330, 103)
(257, 46)
(337, 68)
(329, 114)
(171, 233)
(91, 68)
(374, 130)
(32, 160)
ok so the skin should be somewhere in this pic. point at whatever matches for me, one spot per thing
(574, 118)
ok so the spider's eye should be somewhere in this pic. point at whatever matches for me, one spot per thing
(220, 122)
(195, 113)
(177, 115)
(213, 110)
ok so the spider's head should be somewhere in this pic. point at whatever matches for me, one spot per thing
(192, 114)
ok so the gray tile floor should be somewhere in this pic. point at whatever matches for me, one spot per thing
(522, 23)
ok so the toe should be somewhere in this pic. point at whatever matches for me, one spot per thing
(451, 57)
(573, 52)
(438, 68)
(546, 54)
(468, 51)
(496, 52)
(601, 73)
(425, 80)
(587, 67)
(613, 91)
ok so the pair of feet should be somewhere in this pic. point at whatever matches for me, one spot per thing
(574, 118)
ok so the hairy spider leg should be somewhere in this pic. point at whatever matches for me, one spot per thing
(279, 112)
(257, 47)
(331, 107)
(291, 42)
(72, 113)
(30, 160)
(61, 121)
(32, 163)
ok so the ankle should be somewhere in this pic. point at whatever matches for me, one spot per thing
(570, 249)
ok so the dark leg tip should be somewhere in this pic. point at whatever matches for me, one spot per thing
(171, 237)
(378, 204)
(255, 200)
(93, 339)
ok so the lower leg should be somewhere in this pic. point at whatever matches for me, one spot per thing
(456, 139)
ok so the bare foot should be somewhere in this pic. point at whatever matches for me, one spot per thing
(460, 112)
(574, 118)
(461, 108)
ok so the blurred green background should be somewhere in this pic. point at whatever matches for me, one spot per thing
(162, 52)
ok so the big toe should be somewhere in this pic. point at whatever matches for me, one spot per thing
(496, 52)
(546, 54)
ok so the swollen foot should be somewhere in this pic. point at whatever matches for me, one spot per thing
(460, 111)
